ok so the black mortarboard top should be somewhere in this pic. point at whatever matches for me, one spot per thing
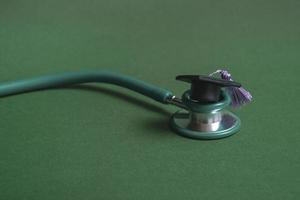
(206, 89)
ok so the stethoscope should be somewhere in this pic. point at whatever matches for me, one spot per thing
(202, 114)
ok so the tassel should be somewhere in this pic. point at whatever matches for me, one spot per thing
(239, 96)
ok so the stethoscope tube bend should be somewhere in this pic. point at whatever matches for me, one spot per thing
(74, 78)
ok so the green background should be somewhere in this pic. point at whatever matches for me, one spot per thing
(105, 142)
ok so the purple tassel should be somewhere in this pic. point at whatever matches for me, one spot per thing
(239, 96)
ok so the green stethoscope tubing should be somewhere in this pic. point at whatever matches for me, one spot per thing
(74, 78)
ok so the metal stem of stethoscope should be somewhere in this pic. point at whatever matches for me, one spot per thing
(173, 100)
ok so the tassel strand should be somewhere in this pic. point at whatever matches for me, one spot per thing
(239, 96)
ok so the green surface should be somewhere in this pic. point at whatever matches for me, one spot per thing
(104, 142)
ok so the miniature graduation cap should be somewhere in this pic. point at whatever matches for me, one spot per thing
(206, 89)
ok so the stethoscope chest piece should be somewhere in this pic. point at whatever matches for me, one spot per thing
(205, 121)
